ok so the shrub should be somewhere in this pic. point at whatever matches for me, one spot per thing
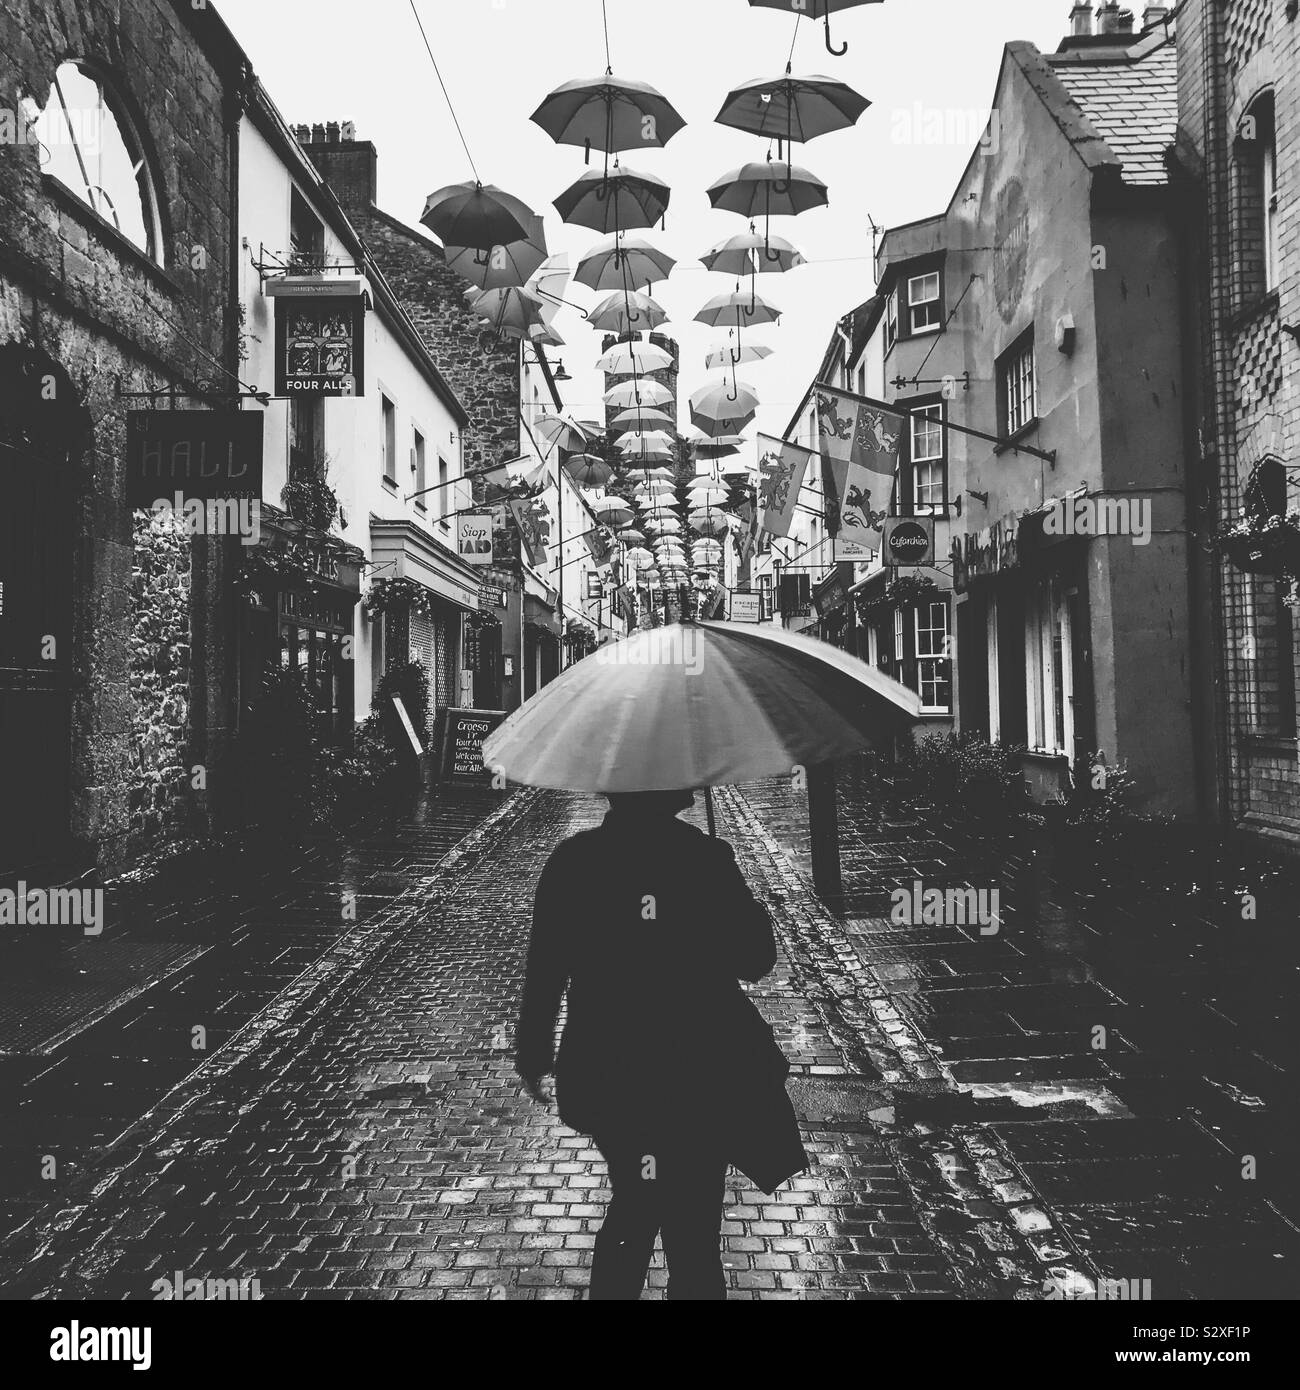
(963, 780)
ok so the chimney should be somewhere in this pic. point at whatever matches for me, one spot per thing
(1126, 21)
(348, 165)
(1081, 22)
(1153, 15)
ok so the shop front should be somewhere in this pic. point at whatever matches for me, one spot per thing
(542, 636)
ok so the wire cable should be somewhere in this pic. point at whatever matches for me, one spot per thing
(446, 94)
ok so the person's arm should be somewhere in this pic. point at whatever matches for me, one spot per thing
(748, 944)
(545, 977)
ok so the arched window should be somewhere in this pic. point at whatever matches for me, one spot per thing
(88, 143)
(1256, 220)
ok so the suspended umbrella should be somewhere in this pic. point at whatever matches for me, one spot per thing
(627, 312)
(634, 359)
(710, 521)
(709, 497)
(510, 264)
(666, 473)
(643, 458)
(630, 536)
(639, 558)
(738, 310)
(476, 214)
(618, 201)
(646, 439)
(544, 333)
(743, 254)
(613, 511)
(725, 355)
(764, 189)
(724, 447)
(641, 418)
(623, 262)
(792, 108)
(587, 470)
(664, 525)
(609, 114)
(723, 407)
(557, 432)
(636, 391)
(817, 9)
(512, 311)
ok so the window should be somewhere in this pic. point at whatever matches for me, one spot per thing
(891, 320)
(928, 461)
(306, 438)
(388, 440)
(898, 653)
(933, 661)
(87, 142)
(862, 380)
(1049, 668)
(1016, 393)
(306, 236)
(1256, 202)
(417, 468)
(923, 303)
(446, 495)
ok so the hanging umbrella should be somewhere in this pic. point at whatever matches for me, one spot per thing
(728, 355)
(709, 497)
(512, 311)
(642, 418)
(743, 254)
(623, 262)
(710, 521)
(647, 439)
(510, 264)
(613, 511)
(587, 470)
(792, 108)
(627, 312)
(609, 114)
(636, 391)
(476, 214)
(764, 189)
(736, 467)
(723, 407)
(738, 310)
(630, 536)
(634, 359)
(698, 706)
(664, 525)
(557, 432)
(544, 333)
(618, 201)
(639, 558)
(817, 9)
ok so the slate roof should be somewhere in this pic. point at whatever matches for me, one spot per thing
(1132, 103)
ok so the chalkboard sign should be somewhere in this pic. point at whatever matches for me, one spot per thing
(462, 744)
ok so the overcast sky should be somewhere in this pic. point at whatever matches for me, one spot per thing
(365, 62)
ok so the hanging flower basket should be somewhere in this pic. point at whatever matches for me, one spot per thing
(311, 501)
(1262, 544)
(398, 595)
(906, 592)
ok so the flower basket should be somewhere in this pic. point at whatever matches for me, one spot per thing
(311, 501)
(1262, 545)
(906, 592)
(398, 595)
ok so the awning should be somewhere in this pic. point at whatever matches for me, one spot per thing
(401, 550)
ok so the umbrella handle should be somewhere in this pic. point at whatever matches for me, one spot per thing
(586, 152)
(830, 48)
(481, 255)
(782, 186)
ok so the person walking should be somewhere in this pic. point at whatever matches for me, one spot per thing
(648, 925)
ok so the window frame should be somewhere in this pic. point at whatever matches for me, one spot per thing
(932, 464)
(419, 467)
(940, 660)
(913, 330)
(388, 439)
(1022, 350)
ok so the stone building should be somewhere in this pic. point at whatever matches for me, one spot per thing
(1236, 169)
(117, 167)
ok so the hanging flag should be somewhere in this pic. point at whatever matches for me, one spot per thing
(516, 475)
(534, 525)
(862, 447)
(782, 466)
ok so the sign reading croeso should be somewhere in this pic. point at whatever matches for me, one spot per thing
(907, 540)
(462, 747)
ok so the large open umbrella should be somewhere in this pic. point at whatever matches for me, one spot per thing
(642, 417)
(557, 432)
(627, 311)
(732, 355)
(699, 705)
(609, 114)
(765, 189)
(792, 108)
(817, 9)
(723, 407)
(635, 391)
(476, 214)
(587, 470)
(512, 310)
(511, 264)
(613, 511)
(743, 254)
(618, 201)
(623, 262)
(634, 359)
(738, 310)
(637, 441)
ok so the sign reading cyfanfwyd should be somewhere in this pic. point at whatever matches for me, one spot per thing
(203, 454)
(462, 744)
(320, 337)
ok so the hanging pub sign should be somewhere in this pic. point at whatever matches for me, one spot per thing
(320, 335)
(204, 454)
(474, 538)
(595, 587)
(907, 540)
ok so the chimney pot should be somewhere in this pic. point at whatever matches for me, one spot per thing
(1125, 19)
(1153, 15)
(332, 132)
(317, 133)
(1081, 21)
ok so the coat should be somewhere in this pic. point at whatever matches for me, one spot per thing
(649, 927)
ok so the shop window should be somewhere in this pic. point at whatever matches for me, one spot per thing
(88, 142)
(929, 461)
(1017, 391)
(388, 440)
(1050, 674)
(933, 658)
(1256, 211)
(923, 308)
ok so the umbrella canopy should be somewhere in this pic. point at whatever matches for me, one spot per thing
(730, 355)
(619, 200)
(608, 113)
(637, 391)
(709, 497)
(710, 521)
(687, 706)
(614, 511)
(476, 214)
(744, 254)
(511, 264)
(645, 439)
(642, 418)
(588, 471)
(664, 525)
(721, 407)
(556, 432)
(768, 189)
(512, 310)
(792, 108)
(623, 262)
(633, 359)
(738, 310)
(545, 333)
(639, 558)
(630, 536)
(627, 312)
(817, 9)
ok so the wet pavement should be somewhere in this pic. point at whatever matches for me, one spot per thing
(353, 1128)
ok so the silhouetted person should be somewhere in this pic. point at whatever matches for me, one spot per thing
(664, 1061)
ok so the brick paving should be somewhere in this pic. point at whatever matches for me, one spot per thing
(376, 1144)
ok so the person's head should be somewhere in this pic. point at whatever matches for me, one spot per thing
(650, 805)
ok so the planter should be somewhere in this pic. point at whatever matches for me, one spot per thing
(1271, 547)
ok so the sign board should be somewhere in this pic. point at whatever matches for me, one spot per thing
(833, 591)
(747, 608)
(474, 538)
(320, 346)
(595, 587)
(491, 596)
(462, 741)
(907, 540)
(204, 454)
(407, 726)
(991, 551)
